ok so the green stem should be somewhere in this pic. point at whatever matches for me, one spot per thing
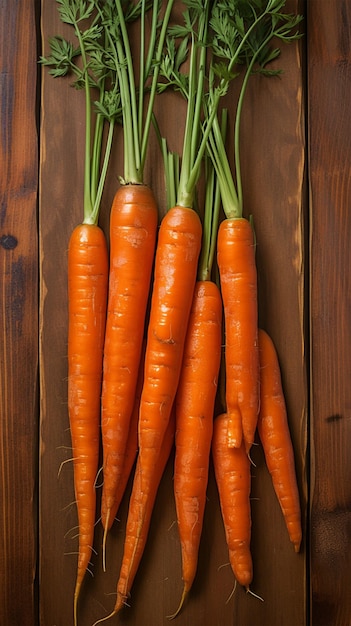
(238, 117)
(96, 156)
(194, 173)
(199, 88)
(103, 173)
(131, 174)
(129, 96)
(185, 196)
(152, 40)
(141, 75)
(87, 206)
(211, 213)
(170, 167)
(153, 89)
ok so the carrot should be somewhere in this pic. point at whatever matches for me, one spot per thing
(176, 260)
(232, 472)
(197, 390)
(194, 422)
(140, 508)
(238, 279)
(133, 225)
(176, 263)
(87, 291)
(236, 257)
(87, 265)
(275, 437)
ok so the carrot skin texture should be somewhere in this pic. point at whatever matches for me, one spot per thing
(87, 298)
(133, 227)
(176, 261)
(273, 429)
(233, 478)
(130, 452)
(238, 280)
(194, 421)
(139, 517)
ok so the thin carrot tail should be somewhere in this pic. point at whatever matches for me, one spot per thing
(75, 601)
(181, 603)
(104, 619)
(104, 539)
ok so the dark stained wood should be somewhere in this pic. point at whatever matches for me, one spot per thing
(329, 72)
(273, 151)
(18, 313)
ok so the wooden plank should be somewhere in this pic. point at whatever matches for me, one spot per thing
(329, 72)
(18, 313)
(275, 196)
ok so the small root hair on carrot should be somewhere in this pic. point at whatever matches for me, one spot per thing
(223, 565)
(73, 502)
(104, 619)
(250, 459)
(70, 530)
(181, 603)
(76, 535)
(96, 485)
(231, 593)
(62, 464)
(255, 595)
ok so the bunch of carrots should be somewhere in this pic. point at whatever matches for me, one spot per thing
(145, 314)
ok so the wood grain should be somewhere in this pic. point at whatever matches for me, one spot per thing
(329, 70)
(18, 313)
(291, 204)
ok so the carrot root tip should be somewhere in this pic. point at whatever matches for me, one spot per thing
(104, 539)
(255, 595)
(104, 619)
(297, 545)
(182, 600)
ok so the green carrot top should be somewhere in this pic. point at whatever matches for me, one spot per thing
(193, 36)
(136, 109)
(85, 61)
(243, 33)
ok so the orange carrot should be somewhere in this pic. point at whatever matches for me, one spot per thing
(238, 280)
(275, 437)
(176, 260)
(140, 509)
(194, 422)
(232, 471)
(133, 227)
(87, 297)
(174, 280)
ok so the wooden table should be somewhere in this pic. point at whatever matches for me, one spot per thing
(296, 151)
